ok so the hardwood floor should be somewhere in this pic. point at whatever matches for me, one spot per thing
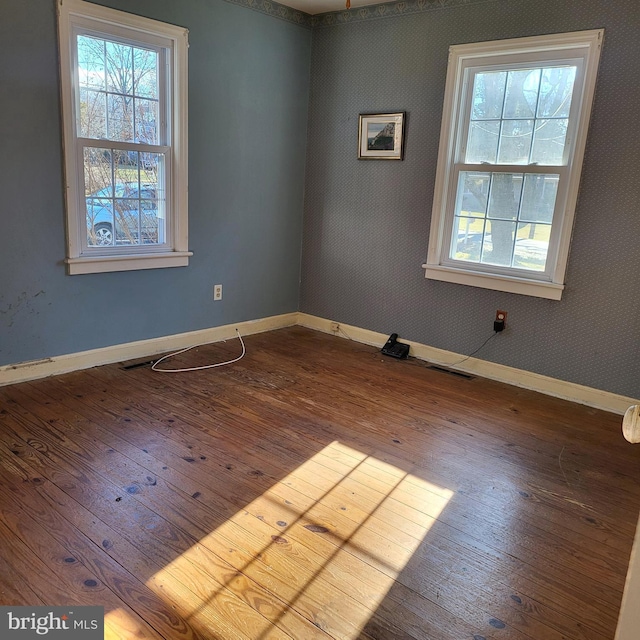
(315, 489)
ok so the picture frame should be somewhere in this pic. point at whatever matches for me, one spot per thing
(381, 136)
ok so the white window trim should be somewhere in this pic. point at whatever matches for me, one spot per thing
(77, 13)
(551, 284)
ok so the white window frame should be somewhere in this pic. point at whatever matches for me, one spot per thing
(79, 17)
(580, 48)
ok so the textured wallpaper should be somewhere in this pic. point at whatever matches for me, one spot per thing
(366, 223)
(248, 106)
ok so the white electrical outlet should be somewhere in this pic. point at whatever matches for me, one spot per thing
(217, 292)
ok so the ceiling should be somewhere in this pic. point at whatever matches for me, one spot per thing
(322, 6)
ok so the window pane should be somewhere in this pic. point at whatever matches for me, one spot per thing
(532, 246)
(473, 188)
(504, 202)
(125, 171)
(522, 93)
(515, 141)
(467, 241)
(470, 214)
(498, 243)
(549, 141)
(539, 197)
(120, 118)
(91, 72)
(126, 217)
(150, 221)
(488, 95)
(98, 188)
(98, 171)
(149, 166)
(483, 142)
(93, 114)
(145, 73)
(119, 68)
(556, 91)
(124, 203)
(146, 112)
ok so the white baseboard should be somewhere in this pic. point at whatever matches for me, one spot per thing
(517, 377)
(21, 372)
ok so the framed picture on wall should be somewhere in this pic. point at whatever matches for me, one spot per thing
(381, 136)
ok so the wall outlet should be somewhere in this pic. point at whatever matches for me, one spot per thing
(217, 292)
(501, 321)
(335, 327)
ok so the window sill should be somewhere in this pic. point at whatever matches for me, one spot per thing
(536, 288)
(104, 264)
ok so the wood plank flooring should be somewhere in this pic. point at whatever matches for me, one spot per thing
(314, 490)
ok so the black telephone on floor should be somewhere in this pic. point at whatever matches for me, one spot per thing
(394, 348)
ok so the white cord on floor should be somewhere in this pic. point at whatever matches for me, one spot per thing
(206, 366)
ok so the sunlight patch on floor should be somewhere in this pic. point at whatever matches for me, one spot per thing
(118, 624)
(318, 551)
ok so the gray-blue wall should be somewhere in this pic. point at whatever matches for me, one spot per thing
(248, 104)
(367, 222)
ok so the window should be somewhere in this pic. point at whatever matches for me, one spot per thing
(124, 100)
(513, 134)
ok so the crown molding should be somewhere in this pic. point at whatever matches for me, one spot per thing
(349, 16)
(276, 10)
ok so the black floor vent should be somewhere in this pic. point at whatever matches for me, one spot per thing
(136, 365)
(452, 372)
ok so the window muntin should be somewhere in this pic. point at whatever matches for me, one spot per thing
(520, 116)
(504, 219)
(118, 99)
(514, 129)
(124, 198)
(118, 90)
